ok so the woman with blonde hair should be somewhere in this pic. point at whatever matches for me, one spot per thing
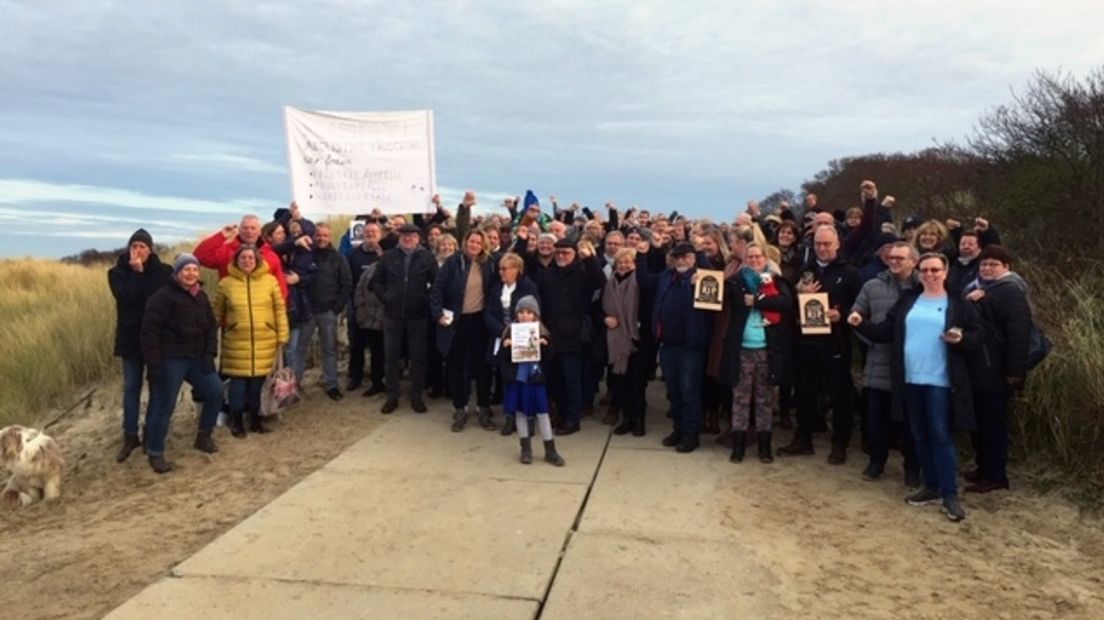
(932, 236)
(250, 308)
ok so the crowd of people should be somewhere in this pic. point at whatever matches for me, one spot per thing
(931, 312)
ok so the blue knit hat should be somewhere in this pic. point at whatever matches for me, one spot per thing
(531, 200)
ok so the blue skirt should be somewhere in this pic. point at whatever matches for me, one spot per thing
(525, 398)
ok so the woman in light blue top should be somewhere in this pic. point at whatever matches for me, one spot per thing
(930, 331)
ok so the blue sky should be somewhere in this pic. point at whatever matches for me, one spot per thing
(168, 114)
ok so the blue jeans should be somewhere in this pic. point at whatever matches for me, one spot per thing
(326, 323)
(683, 369)
(205, 383)
(133, 369)
(929, 415)
(291, 346)
(245, 394)
(569, 386)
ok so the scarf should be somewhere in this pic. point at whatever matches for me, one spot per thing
(621, 300)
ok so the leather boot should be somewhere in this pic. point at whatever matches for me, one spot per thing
(159, 464)
(508, 426)
(739, 445)
(765, 455)
(130, 444)
(800, 446)
(486, 419)
(551, 455)
(638, 424)
(711, 425)
(255, 423)
(204, 443)
(526, 450)
(237, 423)
(612, 413)
(459, 419)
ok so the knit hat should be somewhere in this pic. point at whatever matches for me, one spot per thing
(283, 214)
(183, 261)
(883, 240)
(528, 303)
(531, 200)
(141, 236)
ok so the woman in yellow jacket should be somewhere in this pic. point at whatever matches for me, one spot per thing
(250, 308)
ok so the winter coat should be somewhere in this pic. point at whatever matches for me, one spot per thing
(675, 321)
(493, 316)
(254, 323)
(780, 337)
(360, 260)
(332, 286)
(876, 298)
(298, 260)
(215, 253)
(841, 281)
(566, 294)
(448, 293)
(505, 360)
(176, 324)
(367, 307)
(404, 294)
(1006, 315)
(131, 289)
(959, 314)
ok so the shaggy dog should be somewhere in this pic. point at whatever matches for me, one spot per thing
(35, 462)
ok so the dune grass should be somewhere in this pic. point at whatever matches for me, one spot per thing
(57, 326)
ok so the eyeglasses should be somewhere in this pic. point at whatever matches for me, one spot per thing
(931, 270)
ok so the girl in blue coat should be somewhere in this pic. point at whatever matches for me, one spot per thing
(525, 386)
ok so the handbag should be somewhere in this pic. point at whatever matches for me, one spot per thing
(1038, 346)
(280, 389)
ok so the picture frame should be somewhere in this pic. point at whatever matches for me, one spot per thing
(525, 342)
(812, 310)
(709, 290)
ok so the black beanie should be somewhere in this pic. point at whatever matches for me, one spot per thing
(142, 236)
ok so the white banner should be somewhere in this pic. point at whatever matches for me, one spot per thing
(354, 162)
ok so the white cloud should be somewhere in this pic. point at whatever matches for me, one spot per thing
(22, 191)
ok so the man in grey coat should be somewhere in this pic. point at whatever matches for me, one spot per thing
(875, 299)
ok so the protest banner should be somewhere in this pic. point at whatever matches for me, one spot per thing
(354, 162)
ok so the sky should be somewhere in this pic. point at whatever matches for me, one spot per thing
(168, 114)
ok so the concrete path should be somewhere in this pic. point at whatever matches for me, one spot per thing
(415, 521)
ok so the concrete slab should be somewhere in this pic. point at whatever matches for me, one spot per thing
(618, 576)
(403, 529)
(261, 599)
(425, 442)
(680, 495)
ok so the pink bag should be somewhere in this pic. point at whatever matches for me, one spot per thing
(280, 389)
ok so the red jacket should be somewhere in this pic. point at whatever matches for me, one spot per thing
(215, 253)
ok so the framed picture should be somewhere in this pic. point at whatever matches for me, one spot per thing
(812, 308)
(356, 232)
(709, 290)
(525, 342)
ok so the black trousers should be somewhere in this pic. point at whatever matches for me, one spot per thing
(819, 366)
(627, 390)
(372, 340)
(880, 427)
(467, 361)
(412, 333)
(991, 437)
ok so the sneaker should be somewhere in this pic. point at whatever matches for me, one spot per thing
(923, 497)
(873, 472)
(953, 509)
(418, 406)
(389, 406)
(334, 394)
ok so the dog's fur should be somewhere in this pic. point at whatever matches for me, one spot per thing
(35, 462)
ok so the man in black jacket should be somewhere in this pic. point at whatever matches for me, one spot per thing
(401, 281)
(327, 295)
(360, 259)
(567, 290)
(824, 361)
(136, 276)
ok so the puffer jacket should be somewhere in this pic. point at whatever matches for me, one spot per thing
(1006, 314)
(875, 299)
(367, 307)
(251, 310)
(177, 324)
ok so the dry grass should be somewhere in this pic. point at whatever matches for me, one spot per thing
(57, 325)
